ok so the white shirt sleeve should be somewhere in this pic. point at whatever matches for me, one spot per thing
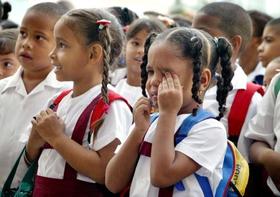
(116, 125)
(261, 126)
(206, 144)
(243, 142)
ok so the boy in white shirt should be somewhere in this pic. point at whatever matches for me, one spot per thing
(25, 93)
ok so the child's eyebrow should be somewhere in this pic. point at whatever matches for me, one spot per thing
(40, 32)
(61, 39)
(6, 59)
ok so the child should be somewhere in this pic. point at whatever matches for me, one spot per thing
(270, 46)
(74, 162)
(233, 22)
(215, 19)
(125, 17)
(134, 51)
(180, 65)
(264, 130)
(249, 57)
(8, 61)
(271, 70)
(25, 93)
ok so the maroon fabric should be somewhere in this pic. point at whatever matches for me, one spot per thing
(78, 135)
(73, 187)
(166, 192)
(145, 149)
(48, 187)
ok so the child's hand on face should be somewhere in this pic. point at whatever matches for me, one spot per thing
(48, 125)
(170, 94)
(141, 113)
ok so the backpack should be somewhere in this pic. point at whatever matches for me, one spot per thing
(239, 109)
(235, 167)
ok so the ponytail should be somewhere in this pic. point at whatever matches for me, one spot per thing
(224, 81)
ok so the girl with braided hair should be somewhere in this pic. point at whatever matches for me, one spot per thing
(179, 64)
(137, 33)
(73, 162)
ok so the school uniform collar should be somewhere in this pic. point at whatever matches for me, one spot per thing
(15, 81)
(239, 80)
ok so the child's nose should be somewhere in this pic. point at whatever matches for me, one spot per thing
(52, 54)
(141, 50)
(26, 43)
(155, 81)
(260, 47)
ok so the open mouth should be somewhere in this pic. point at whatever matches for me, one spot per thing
(139, 60)
(25, 56)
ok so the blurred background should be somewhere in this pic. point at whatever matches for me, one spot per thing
(187, 7)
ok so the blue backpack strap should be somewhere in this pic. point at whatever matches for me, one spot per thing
(204, 185)
(182, 133)
(228, 165)
(189, 122)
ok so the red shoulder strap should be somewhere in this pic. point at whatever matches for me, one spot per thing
(56, 102)
(101, 108)
(239, 108)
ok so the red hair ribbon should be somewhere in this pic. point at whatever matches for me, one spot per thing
(103, 23)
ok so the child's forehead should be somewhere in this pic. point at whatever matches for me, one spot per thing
(40, 21)
(275, 29)
(34, 15)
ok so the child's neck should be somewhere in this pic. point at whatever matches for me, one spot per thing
(133, 80)
(80, 88)
(31, 79)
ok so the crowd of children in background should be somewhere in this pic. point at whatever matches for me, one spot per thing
(108, 103)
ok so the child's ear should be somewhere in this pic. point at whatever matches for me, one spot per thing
(95, 53)
(205, 79)
(236, 42)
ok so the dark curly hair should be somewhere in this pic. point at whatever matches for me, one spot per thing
(205, 51)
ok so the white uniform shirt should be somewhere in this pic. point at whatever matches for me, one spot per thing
(16, 111)
(130, 93)
(259, 70)
(115, 125)
(205, 144)
(239, 81)
(265, 126)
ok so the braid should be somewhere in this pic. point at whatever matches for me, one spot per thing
(196, 56)
(105, 37)
(224, 82)
(144, 74)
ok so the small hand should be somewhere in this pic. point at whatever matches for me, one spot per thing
(48, 125)
(170, 94)
(141, 112)
(35, 138)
